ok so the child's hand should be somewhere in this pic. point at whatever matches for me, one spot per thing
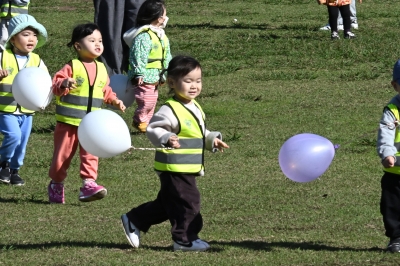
(139, 81)
(173, 142)
(119, 104)
(388, 162)
(219, 144)
(360, 1)
(3, 73)
(68, 83)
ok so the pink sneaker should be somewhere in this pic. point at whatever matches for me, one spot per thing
(91, 191)
(56, 192)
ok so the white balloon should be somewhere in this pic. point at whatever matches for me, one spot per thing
(104, 134)
(121, 85)
(31, 88)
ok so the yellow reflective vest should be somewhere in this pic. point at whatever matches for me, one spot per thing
(71, 108)
(158, 51)
(189, 158)
(9, 62)
(396, 168)
(9, 10)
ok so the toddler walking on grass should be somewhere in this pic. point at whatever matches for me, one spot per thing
(149, 56)
(26, 34)
(179, 125)
(388, 147)
(81, 86)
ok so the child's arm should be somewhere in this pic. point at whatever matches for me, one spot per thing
(111, 98)
(63, 81)
(162, 128)
(385, 143)
(214, 141)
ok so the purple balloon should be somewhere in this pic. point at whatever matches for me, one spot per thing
(305, 157)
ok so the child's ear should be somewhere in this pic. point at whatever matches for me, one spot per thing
(77, 46)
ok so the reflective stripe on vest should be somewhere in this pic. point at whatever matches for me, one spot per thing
(158, 51)
(189, 157)
(71, 108)
(7, 9)
(396, 168)
(10, 63)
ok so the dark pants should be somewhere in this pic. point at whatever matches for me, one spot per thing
(114, 18)
(333, 16)
(390, 204)
(177, 201)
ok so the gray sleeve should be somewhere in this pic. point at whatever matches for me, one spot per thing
(210, 137)
(162, 126)
(21, 2)
(385, 143)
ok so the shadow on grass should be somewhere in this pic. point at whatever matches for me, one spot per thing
(31, 200)
(252, 245)
(269, 246)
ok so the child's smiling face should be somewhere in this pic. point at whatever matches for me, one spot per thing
(90, 47)
(25, 41)
(188, 87)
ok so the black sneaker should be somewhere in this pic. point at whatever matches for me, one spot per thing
(5, 174)
(15, 179)
(394, 246)
(349, 35)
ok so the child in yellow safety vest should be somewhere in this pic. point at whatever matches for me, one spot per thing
(8, 10)
(149, 56)
(178, 129)
(81, 86)
(388, 148)
(16, 121)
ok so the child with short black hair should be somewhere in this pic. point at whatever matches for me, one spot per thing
(81, 86)
(26, 34)
(178, 129)
(388, 147)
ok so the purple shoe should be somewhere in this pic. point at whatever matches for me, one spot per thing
(56, 193)
(91, 191)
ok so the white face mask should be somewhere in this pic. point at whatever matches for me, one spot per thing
(164, 24)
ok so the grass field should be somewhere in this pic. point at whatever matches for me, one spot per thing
(267, 77)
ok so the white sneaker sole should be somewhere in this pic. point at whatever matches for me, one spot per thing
(126, 230)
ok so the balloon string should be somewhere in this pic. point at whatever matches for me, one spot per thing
(49, 96)
(151, 149)
(391, 126)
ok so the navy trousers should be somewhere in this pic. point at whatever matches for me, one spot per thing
(177, 201)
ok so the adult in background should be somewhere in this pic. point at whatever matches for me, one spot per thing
(353, 19)
(114, 17)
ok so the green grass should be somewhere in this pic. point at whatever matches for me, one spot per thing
(267, 77)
